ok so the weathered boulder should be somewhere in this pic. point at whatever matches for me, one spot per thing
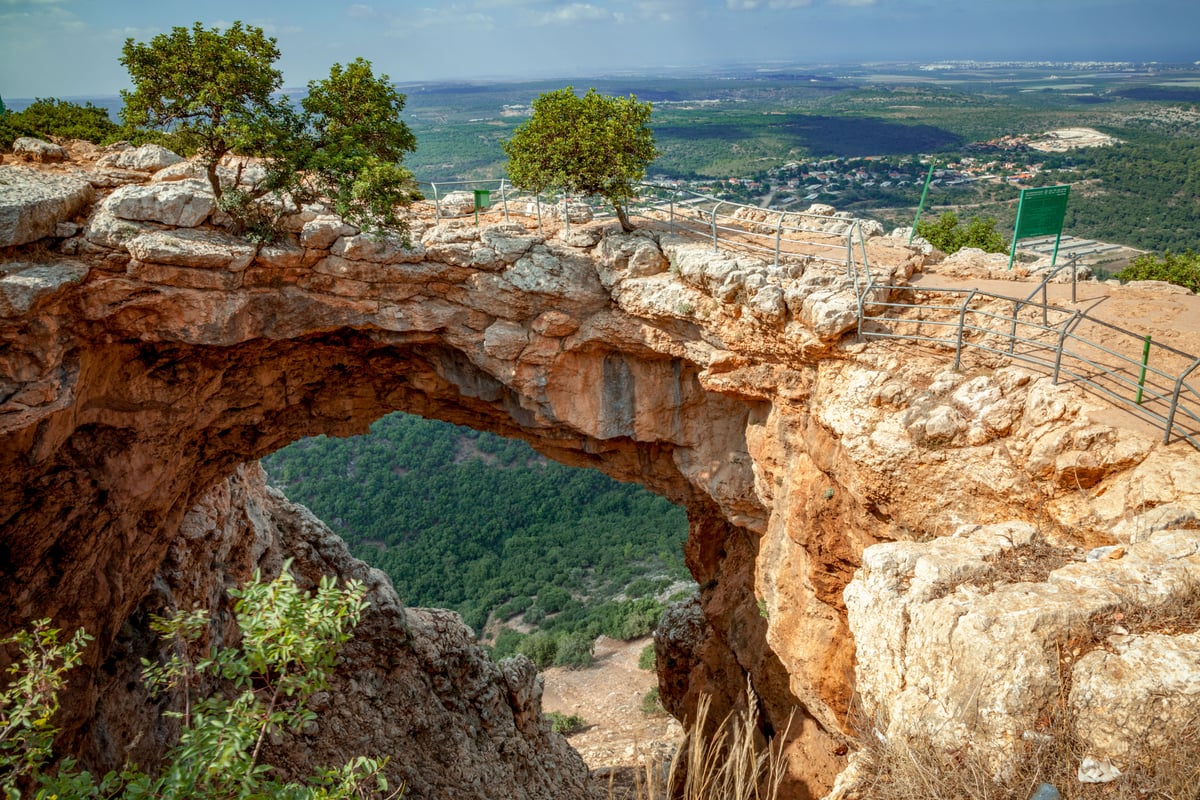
(965, 639)
(183, 204)
(38, 150)
(201, 249)
(147, 158)
(32, 203)
(22, 283)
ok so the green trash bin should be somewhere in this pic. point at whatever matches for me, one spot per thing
(482, 198)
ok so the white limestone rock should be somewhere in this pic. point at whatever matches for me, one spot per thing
(38, 150)
(182, 204)
(321, 232)
(192, 248)
(1137, 699)
(378, 249)
(22, 283)
(147, 158)
(33, 203)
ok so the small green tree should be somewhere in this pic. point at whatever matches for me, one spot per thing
(29, 702)
(350, 146)
(212, 88)
(591, 145)
(215, 90)
(574, 651)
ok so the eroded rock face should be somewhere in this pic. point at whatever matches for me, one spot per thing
(412, 684)
(724, 383)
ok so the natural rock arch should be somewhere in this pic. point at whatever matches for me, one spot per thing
(138, 374)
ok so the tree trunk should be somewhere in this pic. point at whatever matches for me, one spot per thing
(213, 179)
(623, 218)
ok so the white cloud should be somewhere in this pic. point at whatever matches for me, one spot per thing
(574, 13)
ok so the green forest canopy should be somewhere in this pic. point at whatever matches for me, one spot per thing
(485, 526)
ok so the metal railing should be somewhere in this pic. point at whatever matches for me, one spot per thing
(1154, 385)
(1128, 368)
(784, 236)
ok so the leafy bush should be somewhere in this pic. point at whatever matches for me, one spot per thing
(575, 651)
(564, 724)
(949, 235)
(647, 659)
(290, 642)
(49, 118)
(31, 699)
(540, 648)
(1181, 269)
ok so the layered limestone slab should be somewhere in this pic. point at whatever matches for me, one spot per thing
(32, 203)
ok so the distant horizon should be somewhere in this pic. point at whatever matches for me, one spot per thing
(71, 48)
(675, 72)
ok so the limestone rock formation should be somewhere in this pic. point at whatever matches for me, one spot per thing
(728, 384)
(411, 684)
(33, 203)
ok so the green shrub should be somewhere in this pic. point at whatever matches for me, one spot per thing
(652, 703)
(575, 651)
(564, 724)
(553, 599)
(1181, 269)
(949, 235)
(506, 644)
(48, 118)
(647, 659)
(290, 642)
(540, 648)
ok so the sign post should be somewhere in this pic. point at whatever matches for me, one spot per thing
(921, 205)
(1040, 212)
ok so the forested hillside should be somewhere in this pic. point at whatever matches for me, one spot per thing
(487, 527)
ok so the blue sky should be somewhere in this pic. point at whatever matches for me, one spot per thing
(69, 48)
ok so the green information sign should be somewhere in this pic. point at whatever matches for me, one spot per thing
(1040, 213)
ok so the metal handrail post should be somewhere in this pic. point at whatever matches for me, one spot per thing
(537, 200)
(1175, 400)
(671, 217)
(504, 197)
(437, 204)
(1012, 336)
(714, 224)
(778, 236)
(862, 242)
(1062, 340)
(962, 319)
(1045, 303)
(1074, 263)
(862, 310)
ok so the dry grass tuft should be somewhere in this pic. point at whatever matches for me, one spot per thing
(732, 764)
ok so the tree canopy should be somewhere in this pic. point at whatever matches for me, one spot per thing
(212, 88)
(217, 91)
(591, 145)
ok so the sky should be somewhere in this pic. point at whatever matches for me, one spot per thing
(71, 48)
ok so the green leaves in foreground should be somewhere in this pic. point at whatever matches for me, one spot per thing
(290, 641)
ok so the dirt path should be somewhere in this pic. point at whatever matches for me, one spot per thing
(609, 698)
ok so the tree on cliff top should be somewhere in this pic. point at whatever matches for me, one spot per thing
(216, 91)
(213, 89)
(590, 145)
